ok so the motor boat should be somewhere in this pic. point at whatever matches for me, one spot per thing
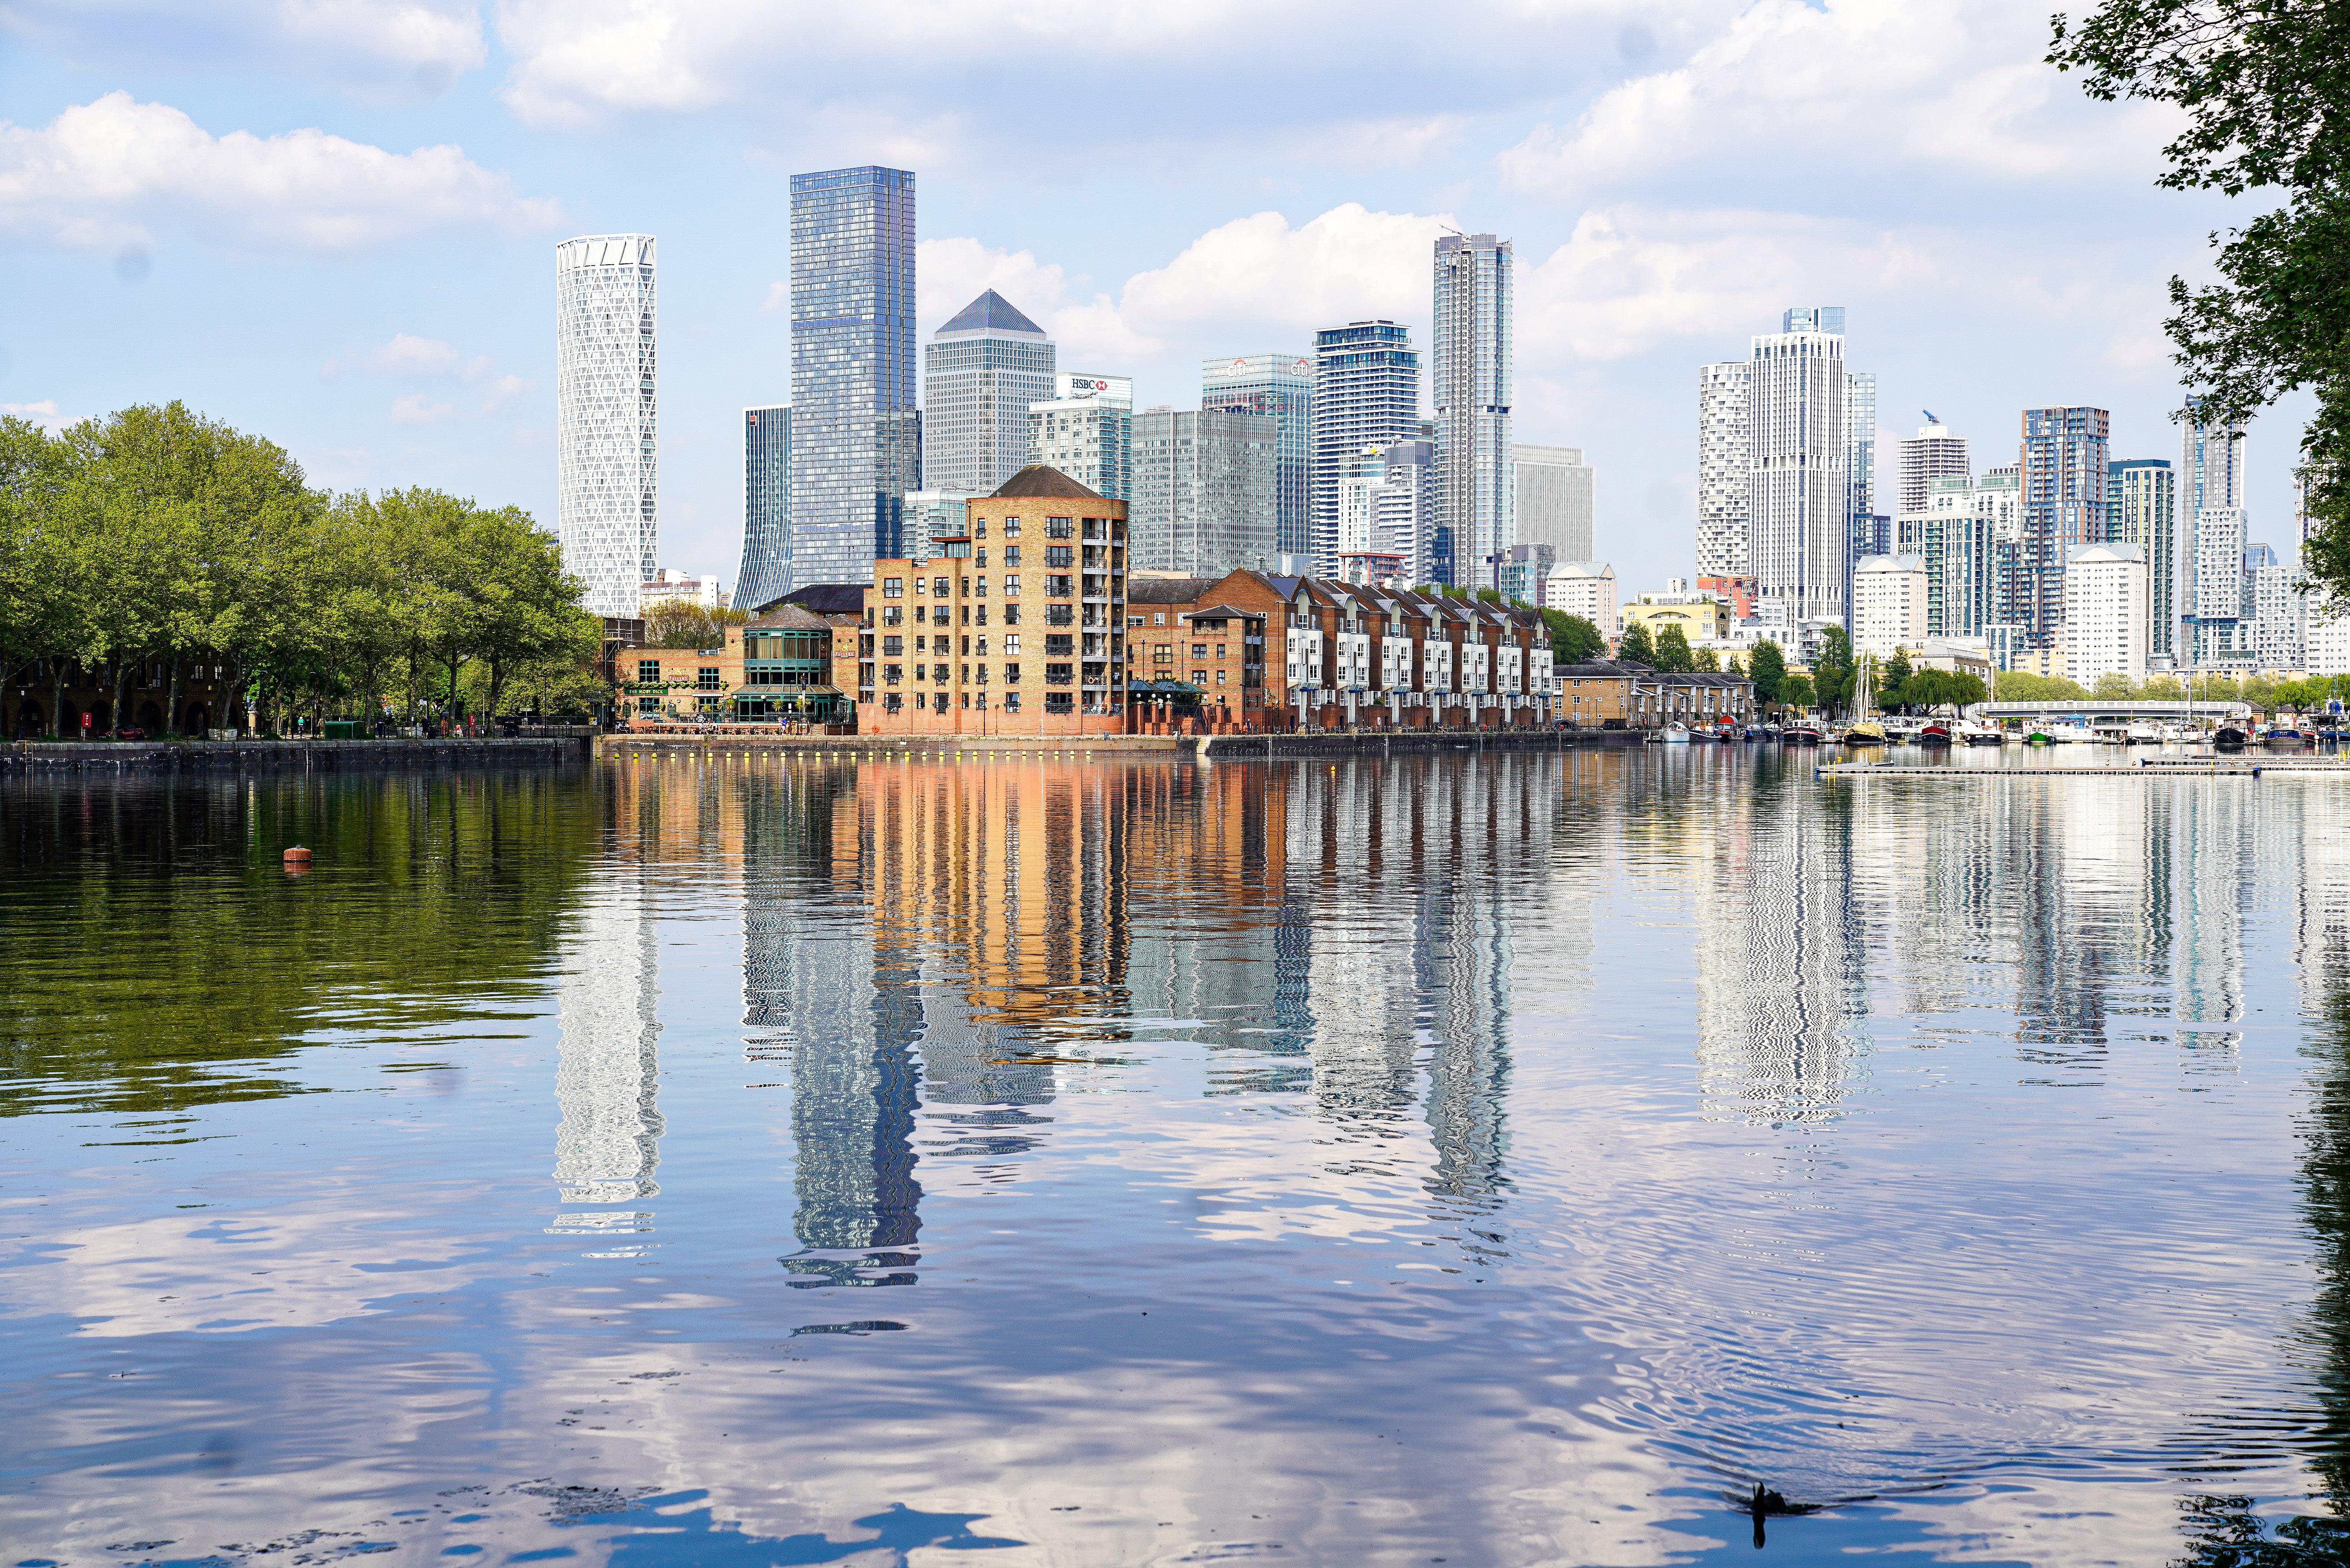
(2284, 735)
(2229, 738)
(2071, 732)
(2144, 732)
(2176, 734)
(1801, 733)
(1933, 732)
(1981, 735)
(1675, 735)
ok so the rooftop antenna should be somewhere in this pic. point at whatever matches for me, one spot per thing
(1929, 416)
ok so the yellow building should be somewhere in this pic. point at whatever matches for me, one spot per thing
(1701, 617)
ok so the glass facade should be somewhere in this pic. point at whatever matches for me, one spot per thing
(1090, 437)
(855, 433)
(981, 373)
(1279, 386)
(1798, 497)
(1366, 393)
(1476, 483)
(2142, 509)
(766, 573)
(1203, 497)
(2064, 469)
(607, 463)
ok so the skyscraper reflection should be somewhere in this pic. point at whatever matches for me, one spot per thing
(608, 1076)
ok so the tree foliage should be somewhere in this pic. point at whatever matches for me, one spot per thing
(2023, 686)
(1673, 654)
(1635, 646)
(2267, 106)
(1573, 637)
(1768, 670)
(1832, 671)
(158, 536)
(676, 623)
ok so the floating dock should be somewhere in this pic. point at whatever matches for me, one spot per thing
(2230, 769)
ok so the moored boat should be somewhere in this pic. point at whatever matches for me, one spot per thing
(1981, 735)
(1802, 733)
(1933, 732)
(2229, 738)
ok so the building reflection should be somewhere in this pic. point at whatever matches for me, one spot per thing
(937, 950)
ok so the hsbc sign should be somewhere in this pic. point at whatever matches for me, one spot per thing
(1117, 389)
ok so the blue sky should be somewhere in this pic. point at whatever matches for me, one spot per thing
(332, 221)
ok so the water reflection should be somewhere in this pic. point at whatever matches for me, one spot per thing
(1605, 1133)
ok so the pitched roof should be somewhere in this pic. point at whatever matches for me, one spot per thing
(1039, 479)
(784, 615)
(1142, 590)
(991, 312)
(824, 599)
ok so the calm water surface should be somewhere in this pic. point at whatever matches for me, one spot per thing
(1466, 1159)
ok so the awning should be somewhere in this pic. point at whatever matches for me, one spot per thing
(1163, 687)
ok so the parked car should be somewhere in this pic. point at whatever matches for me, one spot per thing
(130, 732)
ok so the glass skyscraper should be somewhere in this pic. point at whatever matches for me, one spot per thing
(1476, 483)
(1087, 431)
(766, 573)
(2065, 467)
(855, 433)
(1280, 385)
(1202, 502)
(607, 464)
(2142, 508)
(982, 372)
(1366, 394)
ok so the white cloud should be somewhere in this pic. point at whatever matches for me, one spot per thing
(1630, 277)
(409, 355)
(380, 50)
(1812, 93)
(1253, 282)
(43, 413)
(413, 354)
(113, 172)
(419, 409)
(1208, 70)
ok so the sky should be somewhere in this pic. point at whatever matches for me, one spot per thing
(332, 221)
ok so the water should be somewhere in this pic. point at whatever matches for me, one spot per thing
(1465, 1158)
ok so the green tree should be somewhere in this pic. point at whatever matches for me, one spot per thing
(1573, 638)
(1673, 654)
(2265, 103)
(1635, 647)
(1768, 670)
(1706, 661)
(675, 623)
(1832, 671)
(1796, 692)
(1893, 683)
(2023, 686)
(2114, 687)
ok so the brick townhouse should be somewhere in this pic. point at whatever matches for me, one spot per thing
(1250, 651)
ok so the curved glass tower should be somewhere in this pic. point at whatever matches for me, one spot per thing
(606, 463)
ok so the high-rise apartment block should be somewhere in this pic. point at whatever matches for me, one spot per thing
(607, 425)
(2276, 611)
(981, 373)
(1476, 491)
(1404, 520)
(764, 574)
(1869, 534)
(1888, 604)
(1799, 495)
(2065, 466)
(2213, 628)
(1279, 386)
(1555, 501)
(2106, 604)
(1359, 479)
(1723, 437)
(1204, 493)
(855, 432)
(1085, 431)
(2210, 483)
(1366, 394)
(1954, 534)
(1587, 588)
(1934, 452)
(2142, 509)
